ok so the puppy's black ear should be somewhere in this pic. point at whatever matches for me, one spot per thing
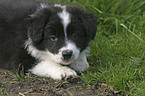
(90, 23)
(36, 24)
(35, 29)
(88, 19)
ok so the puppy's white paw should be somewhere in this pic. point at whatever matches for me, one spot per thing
(53, 70)
(64, 72)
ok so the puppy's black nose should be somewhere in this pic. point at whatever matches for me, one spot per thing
(67, 54)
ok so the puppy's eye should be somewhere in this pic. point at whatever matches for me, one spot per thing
(53, 38)
(74, 36)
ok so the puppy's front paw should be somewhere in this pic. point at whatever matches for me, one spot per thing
(64, 72)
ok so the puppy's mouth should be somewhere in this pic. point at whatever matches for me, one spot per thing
(67, 61)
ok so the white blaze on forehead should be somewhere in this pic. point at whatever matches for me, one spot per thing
(65, 18)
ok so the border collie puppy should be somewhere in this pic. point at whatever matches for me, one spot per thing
(46, 39)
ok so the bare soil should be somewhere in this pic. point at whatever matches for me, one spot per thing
(31, 85)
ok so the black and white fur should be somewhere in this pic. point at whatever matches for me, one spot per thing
(46, 39)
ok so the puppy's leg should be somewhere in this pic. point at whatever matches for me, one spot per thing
(53, 70)
(81, 64)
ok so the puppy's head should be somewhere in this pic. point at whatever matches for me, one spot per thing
(62, 32)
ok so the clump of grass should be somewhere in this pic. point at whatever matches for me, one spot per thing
(1, 84)
(117, 53)
(3, 92)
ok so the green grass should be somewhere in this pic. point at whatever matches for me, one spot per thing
(118, 52)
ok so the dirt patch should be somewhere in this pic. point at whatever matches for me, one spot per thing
(32, 85)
